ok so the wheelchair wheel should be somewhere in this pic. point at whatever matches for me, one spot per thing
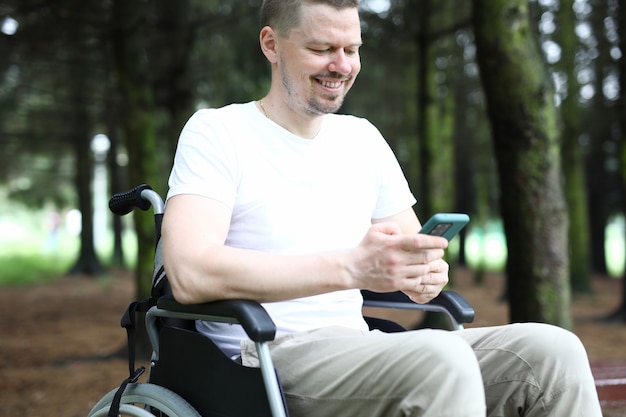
(145, 400)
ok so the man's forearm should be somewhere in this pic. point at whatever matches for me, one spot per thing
(231, 273)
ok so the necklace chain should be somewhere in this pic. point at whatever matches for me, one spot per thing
(263, 108)
(269, 118)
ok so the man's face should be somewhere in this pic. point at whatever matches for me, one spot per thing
(319, 60)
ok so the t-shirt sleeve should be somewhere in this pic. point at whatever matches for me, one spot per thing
(205, 162)
(394, 194)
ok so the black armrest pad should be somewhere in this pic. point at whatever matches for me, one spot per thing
(254, 319)
(452, 301)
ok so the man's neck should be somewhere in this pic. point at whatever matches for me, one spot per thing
(304, 126)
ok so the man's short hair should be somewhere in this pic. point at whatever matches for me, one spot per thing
(284, 15)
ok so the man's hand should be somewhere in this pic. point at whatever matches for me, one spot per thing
(430, 285)
(387, 260)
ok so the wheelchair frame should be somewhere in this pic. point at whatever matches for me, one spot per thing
(142, 399)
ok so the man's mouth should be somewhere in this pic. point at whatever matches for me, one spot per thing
(331, 84)
(331, 81)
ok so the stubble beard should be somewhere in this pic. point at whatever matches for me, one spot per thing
(331, 105)
(315, 105)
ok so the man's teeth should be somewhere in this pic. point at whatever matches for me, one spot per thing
(329, 84)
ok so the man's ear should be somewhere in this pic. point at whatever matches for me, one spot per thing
(267, 39)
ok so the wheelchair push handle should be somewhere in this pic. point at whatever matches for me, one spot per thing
(142, 197)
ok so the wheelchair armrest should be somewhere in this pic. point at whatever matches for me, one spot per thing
(254, 319)
(456, 304)
(451, 301)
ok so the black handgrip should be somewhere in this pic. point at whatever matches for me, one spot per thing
(251, 315)
(124, 203)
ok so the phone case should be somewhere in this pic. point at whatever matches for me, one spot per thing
(445, 224)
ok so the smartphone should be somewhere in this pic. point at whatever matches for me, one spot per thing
(445, 224)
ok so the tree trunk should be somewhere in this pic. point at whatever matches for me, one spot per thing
(573, 162)
(523, 118)
(137, 120)
(436, 125)
(87, 262)
(175, 82)
(117, 181)
(602, 182)
(435, 139)
(620, 313)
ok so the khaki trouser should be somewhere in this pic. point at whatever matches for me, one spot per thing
(522, 370)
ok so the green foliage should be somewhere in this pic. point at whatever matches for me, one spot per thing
(30, 270)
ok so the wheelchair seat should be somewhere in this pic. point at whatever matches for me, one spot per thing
(189, 375)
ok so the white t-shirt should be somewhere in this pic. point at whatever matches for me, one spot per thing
(290, 195)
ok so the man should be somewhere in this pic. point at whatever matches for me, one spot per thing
(284, 202)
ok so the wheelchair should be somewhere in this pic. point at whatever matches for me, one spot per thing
(189, 375)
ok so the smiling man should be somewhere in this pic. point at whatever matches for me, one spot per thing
(325, 58)
(283, 201)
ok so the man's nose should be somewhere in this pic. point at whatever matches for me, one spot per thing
(340, 63)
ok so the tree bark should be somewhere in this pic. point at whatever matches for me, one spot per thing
(572, 157)
(523, 119)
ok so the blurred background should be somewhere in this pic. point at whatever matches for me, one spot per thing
(93, 95)
(508, 110)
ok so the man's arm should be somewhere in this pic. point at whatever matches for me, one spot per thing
(201, 268)
(406, 220)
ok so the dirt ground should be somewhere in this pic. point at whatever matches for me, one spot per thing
(53, 338)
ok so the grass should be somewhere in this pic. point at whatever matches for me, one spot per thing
(31, 269)
(32, 257)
